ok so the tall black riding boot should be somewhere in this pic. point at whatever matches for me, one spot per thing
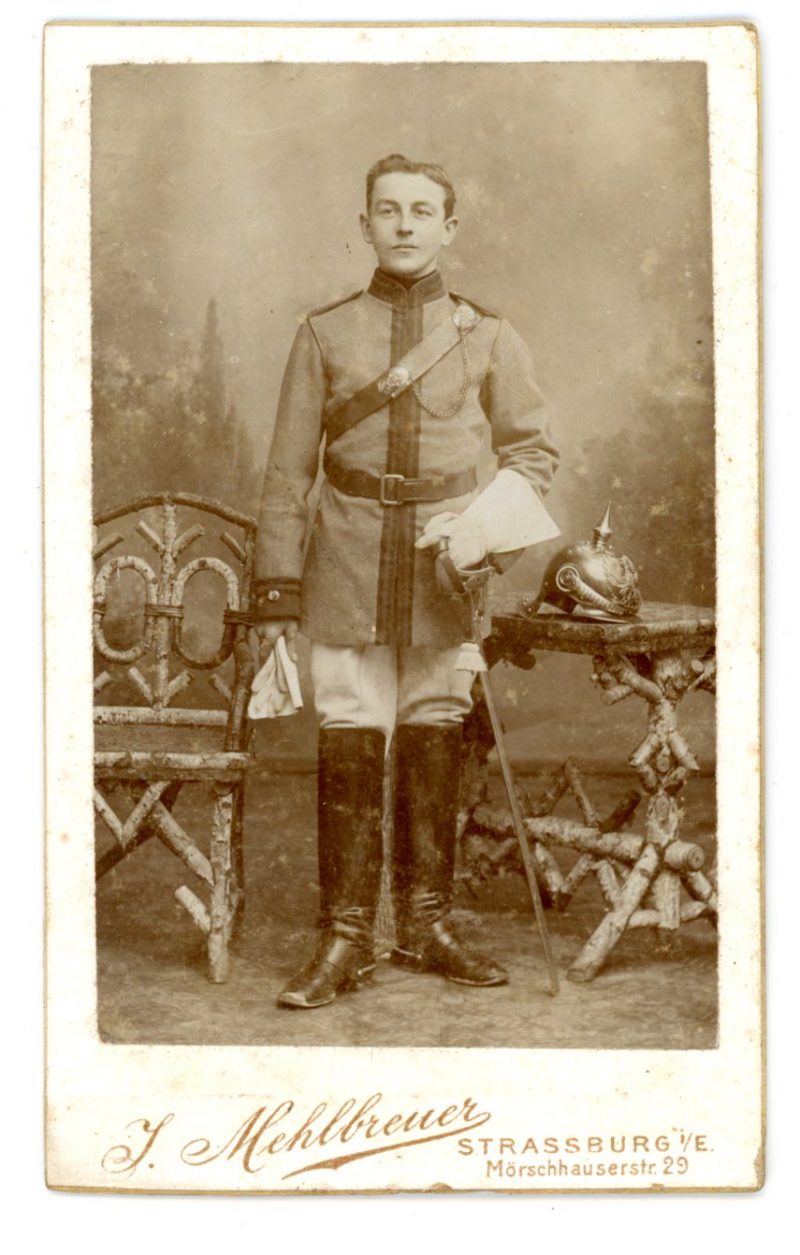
(350, 844)
(428, 778)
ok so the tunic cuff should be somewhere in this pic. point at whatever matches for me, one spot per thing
(276, 599)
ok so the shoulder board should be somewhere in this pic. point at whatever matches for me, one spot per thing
(324, 309)
(482, 309)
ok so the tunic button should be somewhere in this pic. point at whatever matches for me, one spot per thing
(273, 595)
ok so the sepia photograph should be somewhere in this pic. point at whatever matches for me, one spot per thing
(409, 465)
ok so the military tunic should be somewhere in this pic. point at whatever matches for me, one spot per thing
(361, 581)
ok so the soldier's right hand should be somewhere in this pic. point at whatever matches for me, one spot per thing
(268, 633)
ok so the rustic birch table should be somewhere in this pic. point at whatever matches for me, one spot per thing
(655, 879)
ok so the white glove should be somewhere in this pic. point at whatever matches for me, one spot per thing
(276, 687)
(507, 515)
(466, 546)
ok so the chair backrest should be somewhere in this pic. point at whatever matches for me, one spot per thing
(152, 649)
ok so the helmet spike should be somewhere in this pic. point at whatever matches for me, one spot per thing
(602, 530)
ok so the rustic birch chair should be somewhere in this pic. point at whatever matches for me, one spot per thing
(171, 705)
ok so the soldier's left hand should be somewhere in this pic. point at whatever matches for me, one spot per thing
(268, 633)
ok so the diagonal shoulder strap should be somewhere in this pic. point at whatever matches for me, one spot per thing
(436, 345)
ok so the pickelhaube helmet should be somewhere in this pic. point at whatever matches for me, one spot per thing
(590, 580)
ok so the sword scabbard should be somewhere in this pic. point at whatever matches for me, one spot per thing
(475, 598)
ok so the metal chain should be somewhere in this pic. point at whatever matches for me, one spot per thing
(430, 409)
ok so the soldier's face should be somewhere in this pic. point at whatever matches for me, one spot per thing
(406, 224)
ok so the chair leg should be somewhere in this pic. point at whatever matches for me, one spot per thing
(117, 853)
(237, 844)
(222, 888)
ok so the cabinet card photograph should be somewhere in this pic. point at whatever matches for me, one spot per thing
(402, 431)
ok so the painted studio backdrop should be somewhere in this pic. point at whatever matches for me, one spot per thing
(225, 206)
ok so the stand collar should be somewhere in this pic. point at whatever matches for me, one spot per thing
(394, 292)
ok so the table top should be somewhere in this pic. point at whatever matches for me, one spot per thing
(660, 627)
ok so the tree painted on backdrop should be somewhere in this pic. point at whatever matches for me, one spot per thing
(162, 419)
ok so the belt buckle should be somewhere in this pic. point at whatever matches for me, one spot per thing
(385, 480)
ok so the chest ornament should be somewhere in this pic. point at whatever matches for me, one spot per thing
(394, 382)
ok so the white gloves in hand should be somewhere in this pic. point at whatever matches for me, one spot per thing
(507, 515)
(276, 687)
(466, 545)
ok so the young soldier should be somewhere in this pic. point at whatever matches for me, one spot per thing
(398, 382)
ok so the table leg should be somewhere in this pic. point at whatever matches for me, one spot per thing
(663, 761)
(664, 887)
(613, 924)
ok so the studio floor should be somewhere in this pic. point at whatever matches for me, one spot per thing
(151, 970)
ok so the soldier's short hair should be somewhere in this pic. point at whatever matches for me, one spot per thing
(396, 163)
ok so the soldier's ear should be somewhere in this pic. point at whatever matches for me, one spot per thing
(365, 228)
(450, 228)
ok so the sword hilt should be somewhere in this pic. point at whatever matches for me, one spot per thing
(456, 581)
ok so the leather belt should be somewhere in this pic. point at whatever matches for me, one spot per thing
(397, 489)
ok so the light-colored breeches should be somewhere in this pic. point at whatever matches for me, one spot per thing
(379, 686)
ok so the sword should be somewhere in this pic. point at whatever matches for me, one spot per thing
(472, 585)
